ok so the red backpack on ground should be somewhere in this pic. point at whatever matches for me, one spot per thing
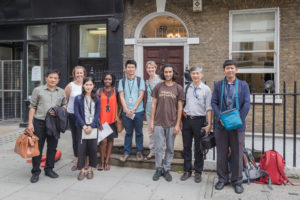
(273, 163)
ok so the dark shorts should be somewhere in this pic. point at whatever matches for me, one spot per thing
(115, 133)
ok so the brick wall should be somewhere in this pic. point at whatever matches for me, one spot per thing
(212, 27)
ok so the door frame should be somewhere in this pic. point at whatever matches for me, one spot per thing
(140, 43)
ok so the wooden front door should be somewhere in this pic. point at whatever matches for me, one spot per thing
(162, 55)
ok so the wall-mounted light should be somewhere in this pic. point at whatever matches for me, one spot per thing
(98, 31)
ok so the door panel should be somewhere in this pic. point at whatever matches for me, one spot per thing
(162, 55)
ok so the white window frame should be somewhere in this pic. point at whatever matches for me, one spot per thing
(274, 70)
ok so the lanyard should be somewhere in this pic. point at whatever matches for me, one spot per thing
(195, 93)
(108, 94)
(130, 88)
(89, 108)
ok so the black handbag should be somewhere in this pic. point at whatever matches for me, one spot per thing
(208, 142)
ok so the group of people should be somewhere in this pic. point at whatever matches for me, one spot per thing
(169, 109)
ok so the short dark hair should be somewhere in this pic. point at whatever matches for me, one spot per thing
(128, 62)
(52, 71)
(113, 77)
(175, 73)
(229, 62)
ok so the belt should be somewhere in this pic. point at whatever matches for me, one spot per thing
(195, 117)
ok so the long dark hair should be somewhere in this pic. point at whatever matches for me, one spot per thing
(93, 93)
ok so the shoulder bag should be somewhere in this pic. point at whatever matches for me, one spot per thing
(231, 119)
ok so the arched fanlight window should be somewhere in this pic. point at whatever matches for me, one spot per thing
(163, 27)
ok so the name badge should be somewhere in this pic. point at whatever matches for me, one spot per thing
(130, 100)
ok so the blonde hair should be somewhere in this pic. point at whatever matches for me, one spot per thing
(150, 62)
(78, 67)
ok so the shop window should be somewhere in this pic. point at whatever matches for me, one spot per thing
(163, 27)
(37, 32)
(254, 46)
(92, 41)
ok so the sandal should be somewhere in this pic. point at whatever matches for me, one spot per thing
(106, 167)
(100, 167)
(149, 157)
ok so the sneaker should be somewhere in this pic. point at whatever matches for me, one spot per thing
(80, 176)
(197, 177)
(124, 157)
(139, 156)
(158, 174)
(185, 176)
(168, 176)
(90, 175)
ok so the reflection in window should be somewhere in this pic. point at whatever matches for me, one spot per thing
(163, 27)
(37, 64)
(259, 83)
(39, 32)
(93, 40)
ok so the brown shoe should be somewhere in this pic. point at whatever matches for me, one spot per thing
(80, 176)
(124, 157)
(198, 177)
(90, 175)
(139, 156)
(185, 176)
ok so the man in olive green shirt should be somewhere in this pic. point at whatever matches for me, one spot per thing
(44, 98)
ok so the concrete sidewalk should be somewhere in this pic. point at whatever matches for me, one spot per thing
(118, 183)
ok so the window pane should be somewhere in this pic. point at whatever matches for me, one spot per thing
(39, 32)
(163, 27)
(258, 82)
(254, 60)
(253, 31)
(37, 64)
(93, 40)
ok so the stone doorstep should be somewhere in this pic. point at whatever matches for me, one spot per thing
(119, 149)
(177, 164)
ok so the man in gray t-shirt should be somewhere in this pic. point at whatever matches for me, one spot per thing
(166, 111)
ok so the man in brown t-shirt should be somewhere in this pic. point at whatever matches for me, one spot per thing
(166, 111)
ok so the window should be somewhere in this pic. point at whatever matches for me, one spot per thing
(37, 56)
(163, 27)
(254, 46)
(92, 41)
(37, 32)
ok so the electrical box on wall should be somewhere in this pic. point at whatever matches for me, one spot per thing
(197, 5)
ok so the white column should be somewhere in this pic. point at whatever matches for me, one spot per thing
(160, 5)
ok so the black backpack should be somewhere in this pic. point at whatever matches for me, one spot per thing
(251, 172)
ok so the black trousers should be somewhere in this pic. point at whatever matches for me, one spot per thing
(87, 148)
(191, 130)
(76, 131)
(40, 132)
(236, 141)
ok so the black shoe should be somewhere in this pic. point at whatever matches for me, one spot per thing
(158, 173)
(34, 178)
(168, 176)
(220, 185)
(51, 174)
(197, 177)
(185, 176)
(238, 188)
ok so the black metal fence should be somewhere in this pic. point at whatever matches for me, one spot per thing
(278, 124)
(284, 95)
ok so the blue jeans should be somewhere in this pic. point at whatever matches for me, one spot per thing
(137, 125)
